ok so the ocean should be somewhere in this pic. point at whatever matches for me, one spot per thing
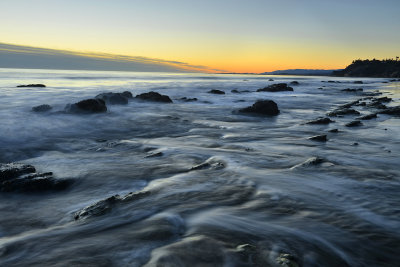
(196, 183)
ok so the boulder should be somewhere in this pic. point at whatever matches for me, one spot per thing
(216, 92)
(320, 121)
(354, 124)
(16, 177)
(367, 117)
(343, 111)
(115, 98)
(262, 107)
(87, 106)
(42, 108)
(155, 97)
(32, 85)
(320, 138)
(278, 87)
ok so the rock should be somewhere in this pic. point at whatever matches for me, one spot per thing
(383, 99)
(188, 99)
(286, 260)
(377, 105)
(354, 124)
(278, 87)
(42, 108)
(262, 107)
(391, 111)
(343, 111)
(367, 117)
(32, 85)
(314, 161)
(154, 155)
(154, 96)
(16, 177)
(87, 106)
(320, 121)
(348, 105)
(211, 163)
(216, 92)
(320, 138)
(295, 83)
(271, 80)
(334, 131)
(358, 82)
(115, 98)
(352, 90)
(235, 91)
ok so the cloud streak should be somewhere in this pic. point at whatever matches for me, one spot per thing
(18, 56)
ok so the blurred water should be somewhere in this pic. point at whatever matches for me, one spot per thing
(344, 212)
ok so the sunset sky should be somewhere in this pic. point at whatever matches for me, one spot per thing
(231, 35)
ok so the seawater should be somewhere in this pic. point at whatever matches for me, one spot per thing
(343, 212)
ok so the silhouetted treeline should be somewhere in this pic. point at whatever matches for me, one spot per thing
(387, 68)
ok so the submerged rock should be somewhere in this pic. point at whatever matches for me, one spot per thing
(367, 117)
(216, 92)
(320, 121)
(354, 124)
(32, 85)
(320, 138)
(235, 91)
(294, 83)
(186, 99)
(16, 177)
(154, 96)
(279, 87)
(349, 105)
(115, 98)
(314, 161)
(343, 111)
(262, 107)
(358, 82)
(211, 163)
(87, 106)
(334, 131)
(42, 108)
(391, 111)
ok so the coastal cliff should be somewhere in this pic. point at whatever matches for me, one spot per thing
(388, 68)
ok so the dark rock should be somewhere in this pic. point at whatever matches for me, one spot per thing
(354, 124)
(154, 96)
(367, 117)
(348, 105)
(263, 107)
(334, 131)
(343, 111)
(358, 82)
(42, 108)
(320, 138)
(212, 163)
(278, 87)
(314, 161)
(216, 92)
(383, 99)
(352, 90)
(331, 81)
(87, 106)
(377, 105)
(154, 155)
(391, 111)
(15, 177)
(355, 144)
(188, 99)
(32, 85)
(362, 104)
(271, 80)
(115, 98)
(295, 83)
(320, 121)
(235, 91)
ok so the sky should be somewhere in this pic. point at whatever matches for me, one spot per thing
(229, 35)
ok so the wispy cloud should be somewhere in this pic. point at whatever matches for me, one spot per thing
(26, 56)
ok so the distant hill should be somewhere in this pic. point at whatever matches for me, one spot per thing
(388, 68)
(301, 72)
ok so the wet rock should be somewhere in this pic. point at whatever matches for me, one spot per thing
(320, 121)
(262, 107)
(271, 80)
(367, 117)
(354, 124)
(32, 85)
(154, 155)
(211, 163)
(358, 82)
(115, 98)
(314, 161)
(343, 111)
(235, 91)
(377, 105)
(286, 260)
(383, 99)
(279, 87)
(16, 177)
(188, 99)
(42, 108)
(362, 104)
(349, 105)
(391, 111)
(155, 97)
(216, 92)
(320, 138)
(294, 83)
(352, 90)
(334, 131)
(87, 106)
